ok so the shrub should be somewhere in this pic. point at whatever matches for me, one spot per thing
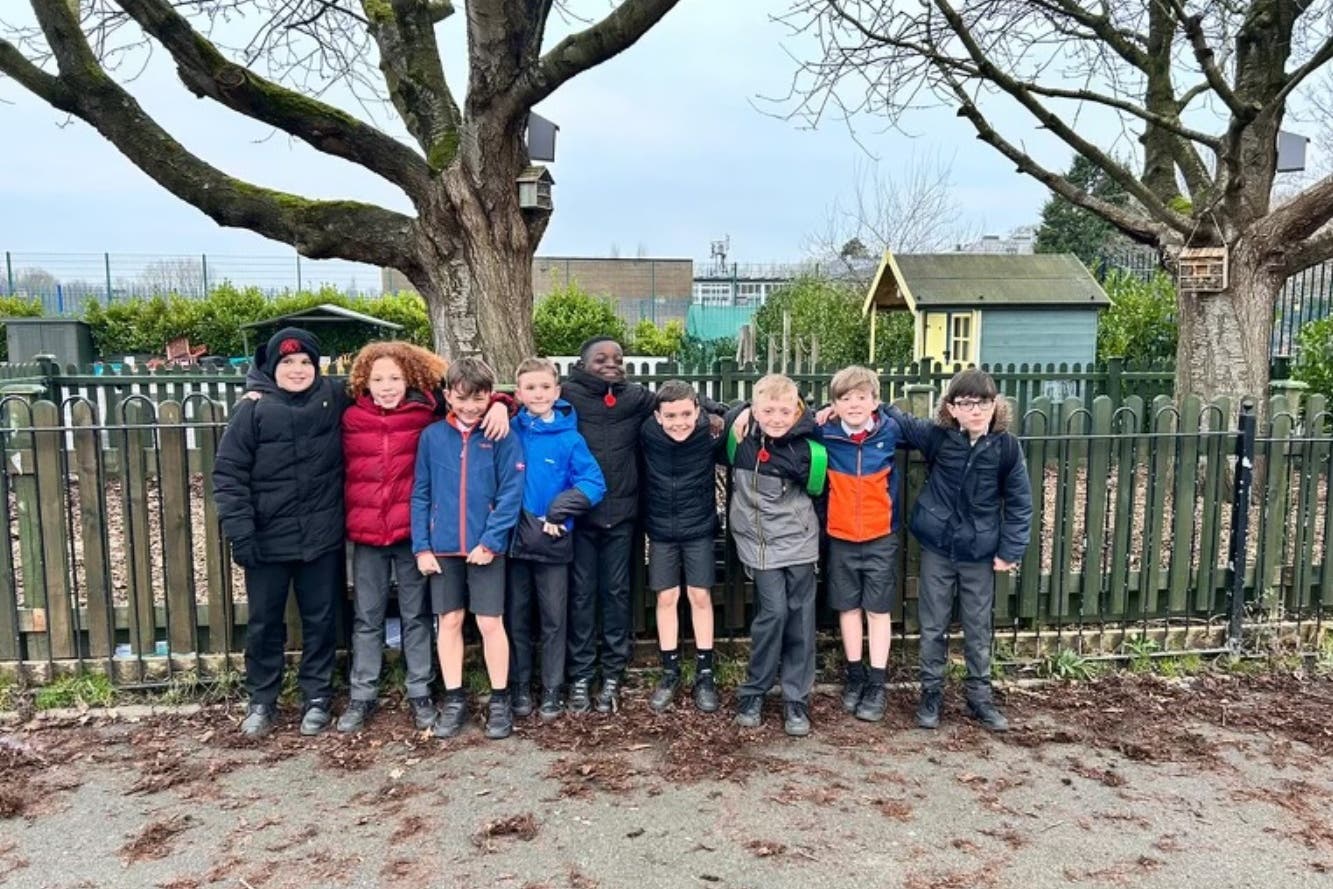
(649, 339)
(830, 311)
(1141, 321)
(568, 316)
(1314, 362)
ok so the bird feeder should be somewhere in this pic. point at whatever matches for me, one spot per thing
(534, 188)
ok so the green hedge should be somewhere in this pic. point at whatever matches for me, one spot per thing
(144, 325)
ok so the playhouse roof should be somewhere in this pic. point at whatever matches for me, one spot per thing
(978, 280)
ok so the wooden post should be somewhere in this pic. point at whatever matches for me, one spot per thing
(177, 548)
(54, 533)
(92, 526)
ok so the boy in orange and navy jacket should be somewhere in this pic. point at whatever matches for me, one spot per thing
(863, 553)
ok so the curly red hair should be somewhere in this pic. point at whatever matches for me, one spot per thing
(422, 369)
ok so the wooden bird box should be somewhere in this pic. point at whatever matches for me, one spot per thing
(534, 188)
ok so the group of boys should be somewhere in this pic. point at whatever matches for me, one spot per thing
(577, 454)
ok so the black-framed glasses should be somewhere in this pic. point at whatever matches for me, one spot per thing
(973, 404)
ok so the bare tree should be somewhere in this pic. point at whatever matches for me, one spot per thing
(1199, 89)
(468, 249)
(912, 210)
(184, 275)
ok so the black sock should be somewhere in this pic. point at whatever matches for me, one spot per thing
(671, 660)
(502, 690)
(856, 671)
(703, 660)
(454, 694)
(877, 676)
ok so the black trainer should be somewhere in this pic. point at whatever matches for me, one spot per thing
(452, 718)
(552, 705)
(874, 701)
(665, 692)
(928, 711)
(608, 699)
(521, 700)
(750, 712)
(500, 718)
(258, 720)
(796, 719)
(580, 696)
(423, 712)
(986, 713)
(317, 716)
(355, 716)
(706, 699)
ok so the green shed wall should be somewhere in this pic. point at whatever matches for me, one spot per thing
(1015, 336)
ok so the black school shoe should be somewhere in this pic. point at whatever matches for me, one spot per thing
(258, 720)
(317, 716)
(874, 701)
(500, 717)
(852, 690)
(355, 716)
(452, 717)
(986, 713)
(423, 712)
(706, 699)
(796, 719)
(552, 705)
(750, 712)
(928, 711)
(665, 692)
(521, 700)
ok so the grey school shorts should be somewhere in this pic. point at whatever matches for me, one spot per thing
(666, 560)
(478, 588)
(863, 575)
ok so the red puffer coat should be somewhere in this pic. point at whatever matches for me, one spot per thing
(380, 450)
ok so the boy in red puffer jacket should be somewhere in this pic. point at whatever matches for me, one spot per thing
(396, 387)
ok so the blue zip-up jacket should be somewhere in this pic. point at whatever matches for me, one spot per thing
(863, 489)
(558, 461)
(468, 490)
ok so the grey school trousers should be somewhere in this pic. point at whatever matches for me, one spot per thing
(973, 583)
(371, 566)
(782, 633)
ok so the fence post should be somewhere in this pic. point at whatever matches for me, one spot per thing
(204, 264)
(727, 371)
(106, 260)
(1240, 520)
(9, 272)
(1114, 368)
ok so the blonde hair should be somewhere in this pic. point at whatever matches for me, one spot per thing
(534, 365)
(775, 386)
(422, 369)
(852, 378)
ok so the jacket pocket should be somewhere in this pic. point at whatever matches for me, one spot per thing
(930, 519)
(986, 529)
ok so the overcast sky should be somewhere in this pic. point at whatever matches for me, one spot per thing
(663, 148)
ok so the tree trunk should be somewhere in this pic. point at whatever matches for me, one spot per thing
(475, 252)
(1224, 337)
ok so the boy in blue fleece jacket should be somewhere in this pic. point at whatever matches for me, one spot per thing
(465, 501)
(562, 481)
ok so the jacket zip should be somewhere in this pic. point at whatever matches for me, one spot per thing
(462, 498)
(758, 511)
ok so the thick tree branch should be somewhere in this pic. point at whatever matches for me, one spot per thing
(1311, 251)
(45, 86)
(580, 51)
(1134, 225)
(404, 31)
(1303, 215)
(206, 72)
(1152, 203)
(318, 229)
(1207, 59)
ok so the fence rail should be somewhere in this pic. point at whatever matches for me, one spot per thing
(114, 555)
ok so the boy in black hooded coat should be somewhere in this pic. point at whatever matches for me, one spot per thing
(278, 483)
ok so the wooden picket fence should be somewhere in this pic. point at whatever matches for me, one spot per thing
(114, 554)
